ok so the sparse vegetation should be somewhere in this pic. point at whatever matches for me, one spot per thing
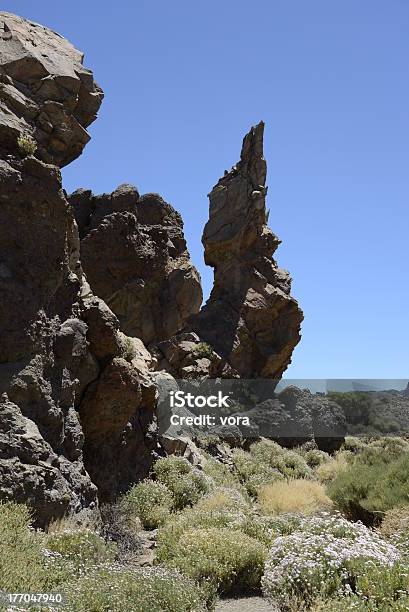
(203, 349)
(81, 548)
(26, 145)
(220, 533)
(231, 561)
(128, 348)
(185, 482)
(139, 590)
(375, 481)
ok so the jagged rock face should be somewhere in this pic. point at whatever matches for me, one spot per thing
(45, 362)
(117, 415)
(60, 346)
(250, 319)
(145, 274)
(45, 92)
(77, 393)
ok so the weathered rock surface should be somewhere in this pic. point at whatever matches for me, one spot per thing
(45, 92)
(45, 361)
(250, 319)
(296, 416)
(60, 346)
(116, 415)
(78, 391)
(145, 275)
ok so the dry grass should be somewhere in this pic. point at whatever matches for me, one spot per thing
(292, 496)
(330, 470)
(394, 522)
(80, 522)
(222, 499)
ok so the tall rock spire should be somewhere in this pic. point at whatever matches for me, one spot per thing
(250, 318)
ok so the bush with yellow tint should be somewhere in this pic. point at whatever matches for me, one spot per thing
(292, 496)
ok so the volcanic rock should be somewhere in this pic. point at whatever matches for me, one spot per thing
(250, 319)
(296, 416)
(47, 97)
(61, 347)
(145, 274)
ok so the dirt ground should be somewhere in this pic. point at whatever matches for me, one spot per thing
(248, 604)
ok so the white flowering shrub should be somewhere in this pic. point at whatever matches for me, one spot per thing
(115, 588)
(81, 548)
(320, 558)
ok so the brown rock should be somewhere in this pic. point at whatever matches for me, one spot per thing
(116, 415)
(59, 344)
(46, 94)
(146, 276)
(250, 319)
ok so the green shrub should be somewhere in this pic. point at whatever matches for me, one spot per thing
(353, 444)
(315, 457)
(373, 483)
(377, 589)
(223, 498)
(154, 589)
(380, 585)
(219, 473)
(266, 528)
(203, 349)
(150, 501)
(25, 564)
(26, 145)
(82, 548)
(327, 472)
(357, 406)
(196, 518)
(252, 472)
(290, 463)
(128, 348)
(186, 483)
(229, 560)
(390, 445)
(295, 466)
(266, 451)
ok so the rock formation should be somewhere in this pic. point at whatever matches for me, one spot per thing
(47, 97)
(145, 276)
(296, 416)
(60, 345)
(90, 284)
(250, 320)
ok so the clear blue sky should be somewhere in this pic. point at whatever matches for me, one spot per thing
(185, 80)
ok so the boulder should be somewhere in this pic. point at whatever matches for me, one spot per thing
(296, 416)
(47, 97)
(145, 276)
(117, 416)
